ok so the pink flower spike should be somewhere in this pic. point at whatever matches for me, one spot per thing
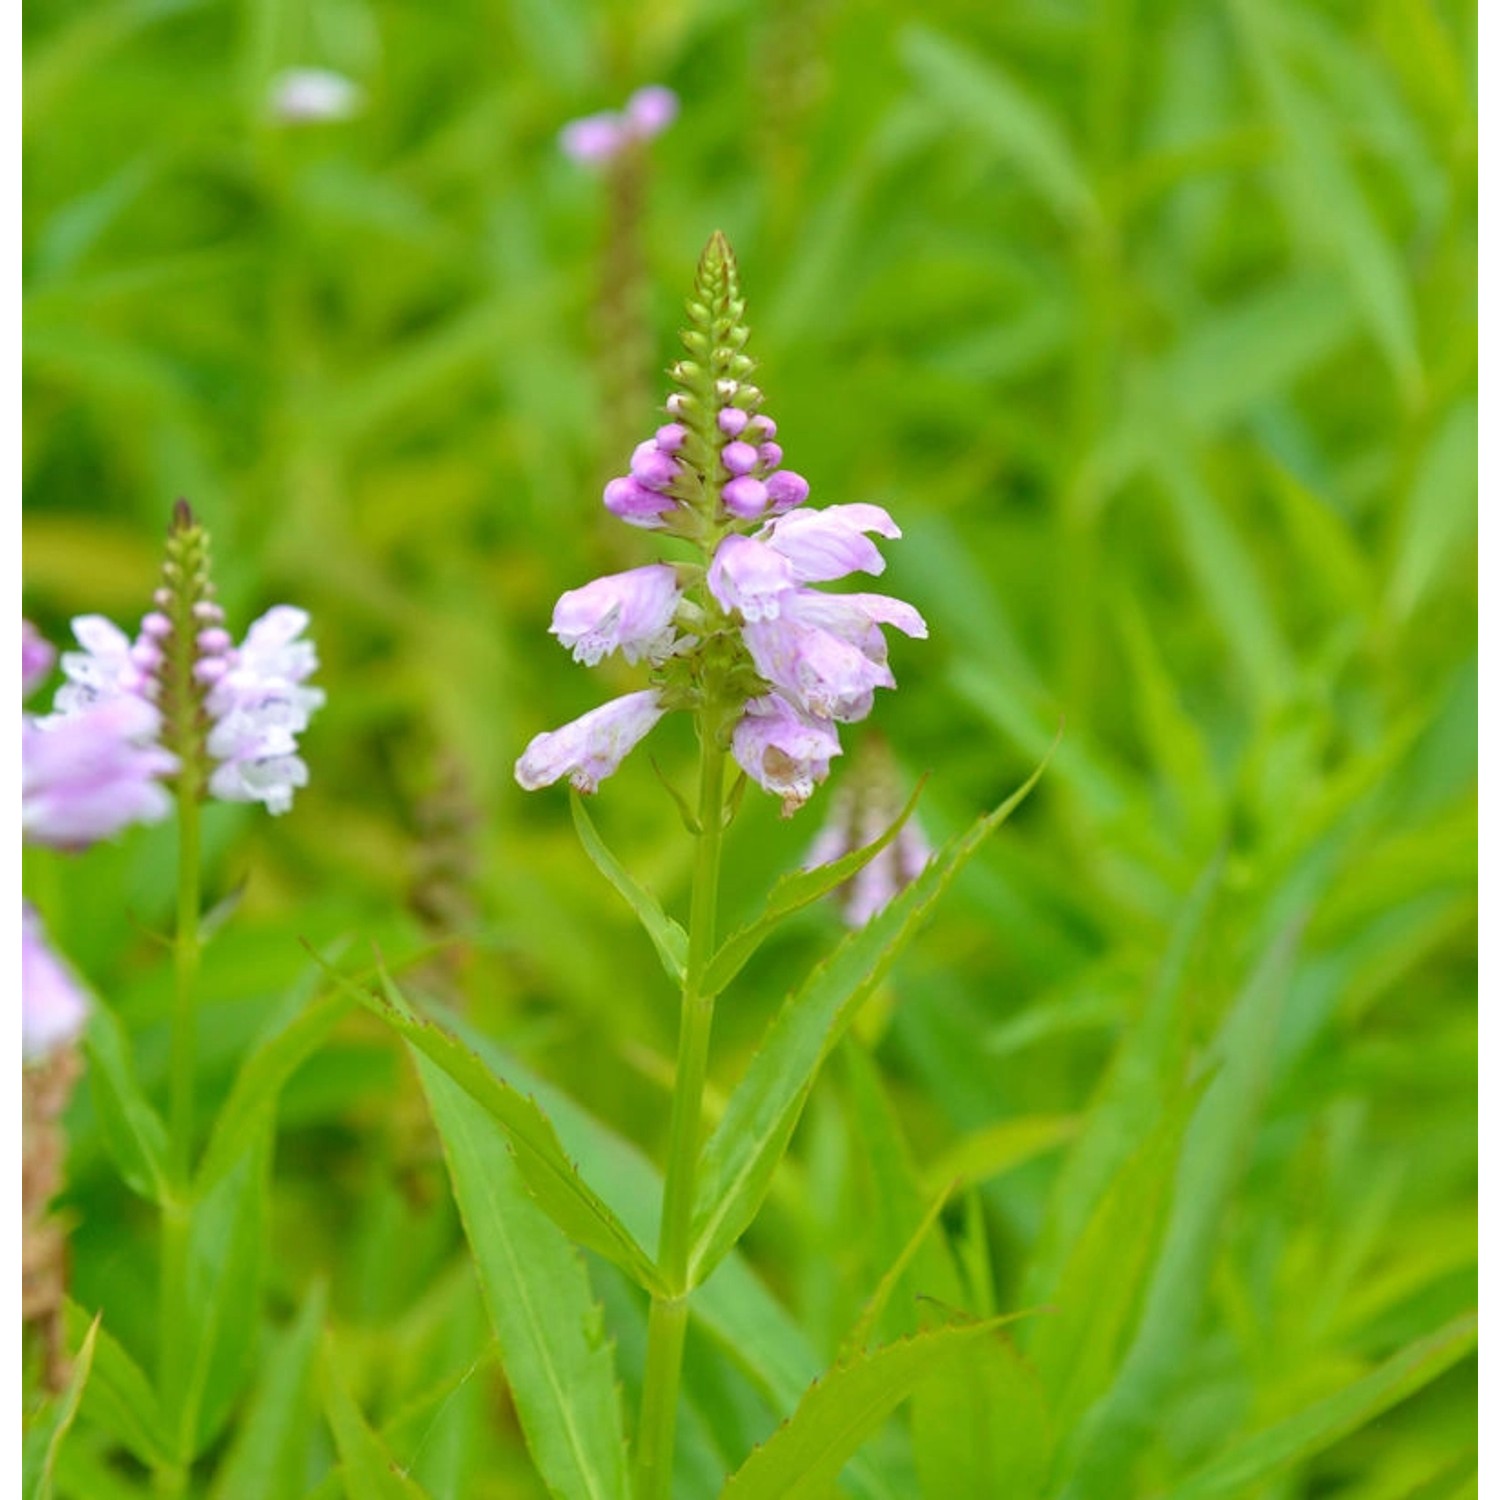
(630, 501)
(591, 747)
(747, 576)
(626, 612)
(783, 750)
(650, 110)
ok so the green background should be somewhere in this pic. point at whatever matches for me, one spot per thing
(1152, 323)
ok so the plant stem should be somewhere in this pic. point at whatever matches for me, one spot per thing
(176, 1220)
(184, 1060)
(668, 1325)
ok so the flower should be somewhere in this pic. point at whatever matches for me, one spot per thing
(259, 706)
(629, 612)
(37, 657)
(783, 750)
(54, 1005)
(309, 96)
(603, 136)
(770, 665)
(86, 775)
(233, 711)
(591, 747)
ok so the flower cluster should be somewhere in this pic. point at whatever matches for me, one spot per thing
(744, 639)
(601, 137)
(231, 712)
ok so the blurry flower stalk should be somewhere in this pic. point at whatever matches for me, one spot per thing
(767, 664)
(868, 801)
(613, 143)
(177, 714)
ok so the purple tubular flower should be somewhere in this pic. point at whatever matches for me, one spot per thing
(769, 454)
(259, 706)
(591, 747)
(671, 437)
(630, 501)
(85, 775)
(102, 670)
(783, 750)
(732, 421)
(785, 490)
(831, 543)
(594, 138)
(856, 618)
(748, 576)
(827, 677)
(53, 1003)
(626, 612)
(745, 497)
(650, 110)
(37, 657)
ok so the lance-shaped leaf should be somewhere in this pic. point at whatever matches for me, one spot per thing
(803, 1457)
(554, 1181)
(133, 1132)
(369, 1470)
(1250, 1464)
(791, 893)
(43, 1443)
(548, 1326)
(743, 1151)
(269, 1455)
(251, 1104)
(668, 937)
(119, 1397)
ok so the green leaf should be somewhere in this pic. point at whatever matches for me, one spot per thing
(1441, 510)
(44, 1442)
(269, 1455)
(119, 1397)
(803, 1457)
(1002, 113)
(560, 1369)
(133, 1132)
(1253, 1462)
(213, 1344)
(1001, 1147)
(980, 1425)
(369, 1471)
(791, 893)
(668, 937)
(552, 1178)
(859, 1336)
(741, 1155)
(250, 1109)
(1106, 1444)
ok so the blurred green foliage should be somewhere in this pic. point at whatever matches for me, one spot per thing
(1153, 322)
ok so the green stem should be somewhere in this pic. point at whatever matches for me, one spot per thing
(184, 1060)
(176, 1220)
(668, 1325)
